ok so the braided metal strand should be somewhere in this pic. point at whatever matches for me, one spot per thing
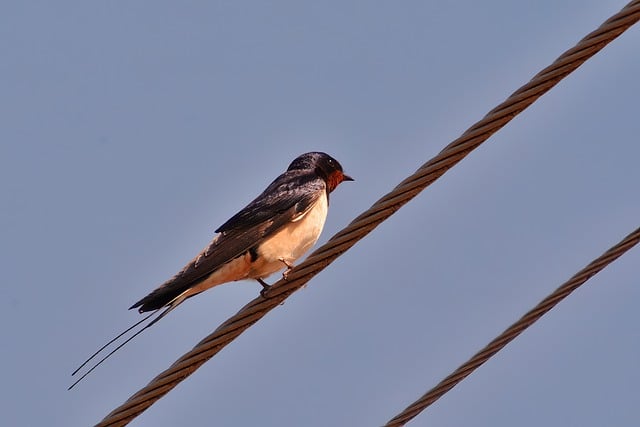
(514, 330)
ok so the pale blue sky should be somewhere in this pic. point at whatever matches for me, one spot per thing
(131, 130)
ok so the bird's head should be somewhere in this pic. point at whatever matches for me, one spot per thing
(324, 165)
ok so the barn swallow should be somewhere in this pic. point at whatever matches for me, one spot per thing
(267, 236)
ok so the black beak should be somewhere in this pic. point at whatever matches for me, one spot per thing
(347, 178)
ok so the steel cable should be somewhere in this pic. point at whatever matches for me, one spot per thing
(514, 330)
(372, 217)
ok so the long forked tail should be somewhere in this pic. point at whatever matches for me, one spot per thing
(173, 304)
(170, 293)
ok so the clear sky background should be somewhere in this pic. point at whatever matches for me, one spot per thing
(131, 130)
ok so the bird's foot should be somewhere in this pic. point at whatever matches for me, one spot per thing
(285, 273)
(265, 287)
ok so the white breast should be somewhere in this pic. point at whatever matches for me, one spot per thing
(292, 241)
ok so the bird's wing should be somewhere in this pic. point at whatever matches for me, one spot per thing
(288, 197)
(292, 188)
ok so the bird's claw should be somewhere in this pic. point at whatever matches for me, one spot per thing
(265, 288)
(285, 274)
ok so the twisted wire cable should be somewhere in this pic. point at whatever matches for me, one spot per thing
(377, 213)
(514, 330)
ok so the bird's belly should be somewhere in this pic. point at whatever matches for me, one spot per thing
(236, 269)
(291, 242)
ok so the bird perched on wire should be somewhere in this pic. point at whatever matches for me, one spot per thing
(267, 236)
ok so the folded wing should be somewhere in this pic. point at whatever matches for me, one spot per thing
(288, 197)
